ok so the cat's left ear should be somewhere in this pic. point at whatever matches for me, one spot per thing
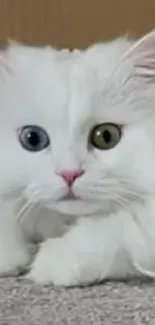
(143, 55)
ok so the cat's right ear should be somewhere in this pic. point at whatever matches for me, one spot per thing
(5, 67)
(5, 58)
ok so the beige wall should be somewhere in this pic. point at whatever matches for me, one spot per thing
(72, 23)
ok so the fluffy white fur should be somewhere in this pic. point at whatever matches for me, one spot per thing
(109, 231)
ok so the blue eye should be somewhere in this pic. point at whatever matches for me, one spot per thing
(33, 138)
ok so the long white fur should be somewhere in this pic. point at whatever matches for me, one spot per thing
(110, 231)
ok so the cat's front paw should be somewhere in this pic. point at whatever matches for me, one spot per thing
(56, 263)
(14, 261)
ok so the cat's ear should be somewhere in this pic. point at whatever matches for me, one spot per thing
(5, 62)
(143, 55)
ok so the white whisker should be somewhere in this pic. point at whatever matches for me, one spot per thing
(121, 201)
(102, 189)
(26, 208)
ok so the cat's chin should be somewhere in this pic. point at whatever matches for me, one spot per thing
(76, 207)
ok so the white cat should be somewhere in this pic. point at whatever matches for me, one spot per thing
(78, 161)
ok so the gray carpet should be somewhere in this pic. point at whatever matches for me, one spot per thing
(23, 303)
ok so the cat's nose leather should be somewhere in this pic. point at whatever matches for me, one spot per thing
(70, 176)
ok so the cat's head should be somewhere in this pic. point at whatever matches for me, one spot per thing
(78, 129)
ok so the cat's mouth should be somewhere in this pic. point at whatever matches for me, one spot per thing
(75, 205)
(70, 196)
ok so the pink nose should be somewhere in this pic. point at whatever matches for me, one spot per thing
(70, 176)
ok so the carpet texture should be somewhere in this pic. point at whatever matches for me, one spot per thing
(24, 303)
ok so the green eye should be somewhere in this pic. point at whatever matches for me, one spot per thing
(105, 136)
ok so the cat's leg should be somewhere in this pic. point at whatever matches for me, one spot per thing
(80, 257)
(15, 253)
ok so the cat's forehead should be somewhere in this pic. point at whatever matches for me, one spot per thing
(105, 57)
(94, 80)
(59, 85)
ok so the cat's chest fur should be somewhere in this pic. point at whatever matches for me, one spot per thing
(43, 223)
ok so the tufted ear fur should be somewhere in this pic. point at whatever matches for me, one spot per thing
(143, 55)
(5, 63)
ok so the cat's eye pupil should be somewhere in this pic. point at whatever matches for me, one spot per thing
(33, 138)
(107, 136)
